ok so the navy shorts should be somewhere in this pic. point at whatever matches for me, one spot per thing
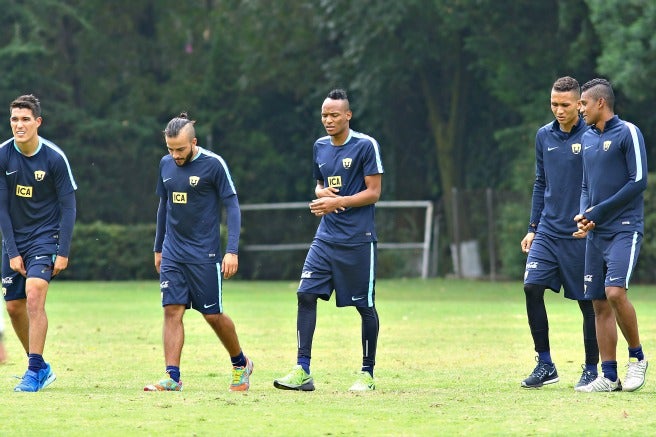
(555, 262)
(38, 264)
(196, 286)
(348, 269)
(609, 261)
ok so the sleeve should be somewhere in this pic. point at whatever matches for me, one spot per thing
(6, 227)
(233, 220)
(227, 193)
(539, 186)
(67, 206)
(636, 165)
(316, 170)
(160, 229)
(373, 163)
(585, 193)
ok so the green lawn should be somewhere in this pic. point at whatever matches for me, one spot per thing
(450, 359)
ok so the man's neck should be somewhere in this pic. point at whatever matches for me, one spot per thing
(29, 148)
(601, 124)
(339, 140)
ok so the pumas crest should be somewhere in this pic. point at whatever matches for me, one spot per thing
(576, 148)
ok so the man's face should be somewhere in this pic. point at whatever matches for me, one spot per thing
(181, 148)
(565, 107)
(590, 108)
(335, 116)
(24, 125)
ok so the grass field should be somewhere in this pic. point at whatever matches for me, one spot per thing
(450, 359)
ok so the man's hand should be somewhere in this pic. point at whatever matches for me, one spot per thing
(158, 261)
(527, 241)
(17, 265)
(61, 262)
(326, 205)
(229, 265)
(584, 226)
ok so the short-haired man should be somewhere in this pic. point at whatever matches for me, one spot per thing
(555, 257)
(37, 215)
(348, 170)
(611, 216)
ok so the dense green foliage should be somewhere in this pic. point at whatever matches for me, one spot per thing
(112, 252)
(453, 90)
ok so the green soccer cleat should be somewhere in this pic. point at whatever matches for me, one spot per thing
(297, 379)
(365, 382)
(167, 384)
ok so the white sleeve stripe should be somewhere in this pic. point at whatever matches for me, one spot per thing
(636, 149)
(60, 152)
(379, 163)
(223, 164)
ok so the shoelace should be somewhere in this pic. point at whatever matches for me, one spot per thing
(633, 370)
(237, 373)
(541, 370)
(602, 383)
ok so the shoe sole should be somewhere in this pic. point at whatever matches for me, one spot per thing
(551, 381)
(308, 386)
(635, 389)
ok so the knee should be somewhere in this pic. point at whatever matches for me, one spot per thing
(307, 300)
(16, 308)
(367, 312)
(174, 312)
(587, 309)
(615, 295)
(534, 291)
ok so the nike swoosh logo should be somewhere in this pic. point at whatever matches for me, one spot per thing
(587, 147)
(549, 149)
(167, 179)
(322, 164)
(41, 257)
(613, 279)
(10, 172)
(354, 298)
(209, 306)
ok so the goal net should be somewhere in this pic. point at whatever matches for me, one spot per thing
(275, 238)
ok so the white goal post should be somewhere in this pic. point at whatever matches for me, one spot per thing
(424, 245)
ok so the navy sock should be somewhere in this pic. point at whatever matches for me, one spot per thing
(304, 362)
(369, 369)
(636, 352)
(609, 369)
(174, 372)
(36, 362)
(592, 368)
(545, 357)
(238, 360)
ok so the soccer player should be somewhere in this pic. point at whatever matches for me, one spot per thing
(193, 185)
(37, 215)
(611, 216)
(555, 257)
(348, 170)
